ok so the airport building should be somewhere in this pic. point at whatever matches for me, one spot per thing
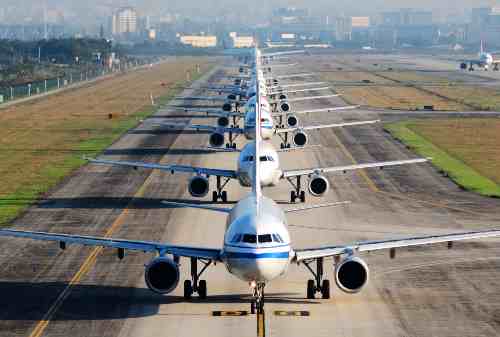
(241, 41)
(484, 25)
(124, 21)
(196, 41)
(406, 27)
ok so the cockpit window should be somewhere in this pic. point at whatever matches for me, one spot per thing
(236, 238)
(277, 238)
(265, 238)
(263, 158)
(249, 238)
(248, 158)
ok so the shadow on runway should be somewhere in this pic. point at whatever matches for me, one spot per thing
(181, 116)
(31, 300)
(117, 203)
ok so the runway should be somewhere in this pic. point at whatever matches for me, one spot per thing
(423, 292)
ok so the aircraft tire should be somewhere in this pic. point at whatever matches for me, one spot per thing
(202, 289)
(310, 289)
(188, 289)
(325, 289)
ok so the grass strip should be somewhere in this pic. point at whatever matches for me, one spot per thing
(457, 170)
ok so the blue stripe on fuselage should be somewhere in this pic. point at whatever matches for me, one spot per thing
(240, 255)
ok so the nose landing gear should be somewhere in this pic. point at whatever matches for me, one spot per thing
(257, 304)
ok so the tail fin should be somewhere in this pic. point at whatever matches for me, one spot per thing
(482, 47)
(256, 183)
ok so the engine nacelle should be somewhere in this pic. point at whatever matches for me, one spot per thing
(351, 275)
(198, 186)
(318, 185)
(216, 139)
(285, 106)
(300, 138)
(282, 96)
(227, 106)
(463, 66)
(292, 121)
(162, 275)
(223, 121)
(231, 97)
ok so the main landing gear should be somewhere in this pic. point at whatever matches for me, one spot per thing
(297, 193)
(318, 285)
(220, 194)
(231, 144)
(195, 285)
(257, 304)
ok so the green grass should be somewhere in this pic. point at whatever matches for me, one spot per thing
(457, 170)
(12, 205)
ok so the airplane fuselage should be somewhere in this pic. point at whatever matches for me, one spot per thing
(257, 242)
(270, 172)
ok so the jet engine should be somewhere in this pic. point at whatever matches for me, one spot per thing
(318, 185)
(162, 275)
(231, 97)
(227, 106)
(292, 120)
(351, 274)
(282, 96)
(463, 66)
(198, 186)
(223, 121)
(300, 138)
(216, 139)
(285, 106)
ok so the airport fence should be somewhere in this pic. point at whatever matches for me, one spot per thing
(71, 77)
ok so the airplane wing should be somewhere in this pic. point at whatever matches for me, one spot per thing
(215, 111)
(304, 84)
(368, 246)
(145, 246)
(333, 169)
(301, 112)
(168, 168)
(307, 98)
(201, 98)
(286, 91)
(292, 75)
(280, 53)
(324, 126)
(201, 127)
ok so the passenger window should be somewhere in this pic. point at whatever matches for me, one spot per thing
(249, 238)
(265, 238)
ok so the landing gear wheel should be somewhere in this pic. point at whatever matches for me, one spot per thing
(302, 196)
(310, 289)
(282, 146)
(223, 196)
(188, 289)
(288, 146)
(252, 307)
(293, 196)
(202, 289)
(227, 145)
(233, 145)
(215, 196)
(325, 289)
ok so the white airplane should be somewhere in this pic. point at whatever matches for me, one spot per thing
(271, 173)
(485, 60)
(297, 134)
(256, 249)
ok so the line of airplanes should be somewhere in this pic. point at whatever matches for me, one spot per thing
(256, 246)
(485, 61)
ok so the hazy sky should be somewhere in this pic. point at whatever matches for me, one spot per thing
(88, 9)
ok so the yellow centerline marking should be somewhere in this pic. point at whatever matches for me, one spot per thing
(373, 187)
(261, 328)
(87, 264)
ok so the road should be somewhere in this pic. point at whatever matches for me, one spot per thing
(87, 292)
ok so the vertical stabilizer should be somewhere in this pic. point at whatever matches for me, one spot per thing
(258, 118)
(482, 47)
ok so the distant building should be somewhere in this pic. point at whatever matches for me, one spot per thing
(406, 27)
(196, 41)
(124, 21)
(241, 41)
(360, 22)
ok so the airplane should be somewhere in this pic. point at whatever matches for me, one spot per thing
(271, 173)
(256, 249)
(269, 129)
(485, 60)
